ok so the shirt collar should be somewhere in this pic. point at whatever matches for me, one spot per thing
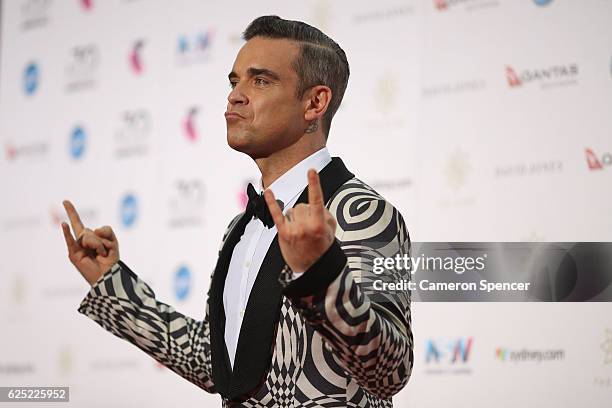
(289, 185)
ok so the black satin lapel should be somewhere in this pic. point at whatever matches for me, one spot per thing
(221, 366)
(258, 326)
(257, 333)
(332, 177)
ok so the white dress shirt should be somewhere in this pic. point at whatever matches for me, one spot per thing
(250, 251)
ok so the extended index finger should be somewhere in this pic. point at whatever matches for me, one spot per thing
(275, 210)
(75, 220)
(315, 193)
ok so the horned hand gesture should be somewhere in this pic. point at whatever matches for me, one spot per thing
(306, 231)
(94, 251)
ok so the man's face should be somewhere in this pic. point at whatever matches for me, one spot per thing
(264, 95)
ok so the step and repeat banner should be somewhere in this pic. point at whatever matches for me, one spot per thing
(480, 120)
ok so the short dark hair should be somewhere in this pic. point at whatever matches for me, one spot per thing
(321, 61)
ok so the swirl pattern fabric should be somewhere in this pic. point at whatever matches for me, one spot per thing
(334, 347)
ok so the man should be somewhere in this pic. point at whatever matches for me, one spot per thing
(287, 323)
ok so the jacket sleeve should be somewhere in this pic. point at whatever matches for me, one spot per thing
(370, 333)
(125, 305)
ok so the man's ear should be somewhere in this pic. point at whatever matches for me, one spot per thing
(316, 101)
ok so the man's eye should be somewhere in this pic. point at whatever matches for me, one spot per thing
(232, 84)
(261, 81)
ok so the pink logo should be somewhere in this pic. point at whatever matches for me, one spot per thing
(242, 196)
(513, 79)
(87, 4)
(597, 163)
(11, 151)
(441, 4)
(189, 126)
(136, 57)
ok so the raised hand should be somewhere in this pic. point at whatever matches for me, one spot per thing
(307, 230)
(93, 252)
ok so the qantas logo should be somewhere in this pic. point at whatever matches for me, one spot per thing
(441, 4)
(553, 75)
(597, 163)
(513, 79)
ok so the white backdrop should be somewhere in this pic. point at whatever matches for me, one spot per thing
(480, 120)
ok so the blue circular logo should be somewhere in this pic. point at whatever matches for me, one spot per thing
(542, 2)
(182, 282)
(77, 142)
(183, 44)
(129, 210)
(30, 78)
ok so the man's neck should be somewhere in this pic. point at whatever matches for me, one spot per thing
(278, 163)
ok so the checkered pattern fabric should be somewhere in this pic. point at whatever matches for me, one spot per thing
(338, 347)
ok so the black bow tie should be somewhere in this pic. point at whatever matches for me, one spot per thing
(257, 206)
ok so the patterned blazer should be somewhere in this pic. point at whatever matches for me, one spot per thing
(321, 340)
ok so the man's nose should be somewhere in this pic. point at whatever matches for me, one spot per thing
(237, 96)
